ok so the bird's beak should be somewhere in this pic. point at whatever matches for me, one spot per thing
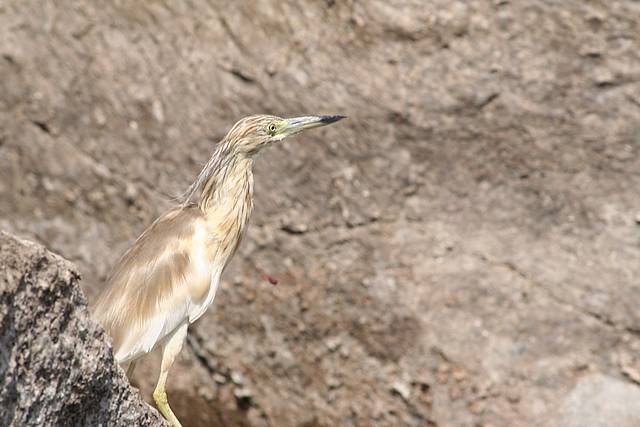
(298, 124)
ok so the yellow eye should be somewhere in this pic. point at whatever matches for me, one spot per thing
(272, 128)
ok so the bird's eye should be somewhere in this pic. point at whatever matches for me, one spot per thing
(272, 128)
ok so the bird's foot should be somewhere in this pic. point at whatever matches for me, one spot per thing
(162, 403)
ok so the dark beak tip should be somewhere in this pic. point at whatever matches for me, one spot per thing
(332, 119)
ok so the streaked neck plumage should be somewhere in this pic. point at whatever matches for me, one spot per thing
(227, 174)
(229, 186)
(223, 191)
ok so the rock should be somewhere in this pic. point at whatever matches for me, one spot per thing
(207, 393)
(237, 378)
(219, 378)
(333, 343)
(333, 382)
(402, 389)
(295, 227)
(600, 401)
(56, 366)
(243, 396)
(632, 373)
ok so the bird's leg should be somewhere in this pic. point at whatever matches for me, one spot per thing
(170, 349)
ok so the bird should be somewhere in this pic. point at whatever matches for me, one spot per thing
(169, 276)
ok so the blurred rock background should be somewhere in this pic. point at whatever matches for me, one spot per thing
(463, 251)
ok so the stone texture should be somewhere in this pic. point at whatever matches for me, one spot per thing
(600, 401)
(56, 366)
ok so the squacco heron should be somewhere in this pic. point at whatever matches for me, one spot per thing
(170, 275)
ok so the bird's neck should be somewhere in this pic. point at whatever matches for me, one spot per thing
(229, 189)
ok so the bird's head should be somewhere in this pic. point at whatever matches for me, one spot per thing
(251, 134)
(243, 141)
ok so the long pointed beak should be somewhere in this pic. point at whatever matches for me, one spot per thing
(298, 124)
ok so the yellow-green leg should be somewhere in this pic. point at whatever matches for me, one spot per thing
(170, 349)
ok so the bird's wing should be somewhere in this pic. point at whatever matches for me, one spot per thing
(150, 290)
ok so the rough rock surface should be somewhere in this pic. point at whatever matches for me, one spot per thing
(56, 367)
(460, 252)
(600, 401)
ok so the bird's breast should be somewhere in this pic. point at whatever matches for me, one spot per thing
(214, 243)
